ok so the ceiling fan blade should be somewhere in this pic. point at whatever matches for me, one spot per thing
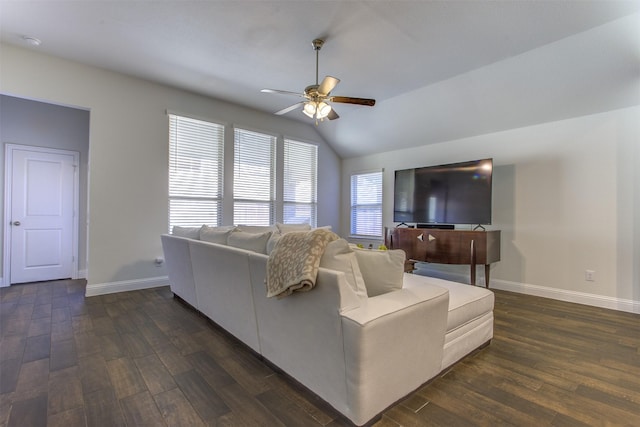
(282, 92)
(291, 108)
(333, 115)
(327, 85)
(350, 100)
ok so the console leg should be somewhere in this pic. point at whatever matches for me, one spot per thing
(487, 269)
(473, 263)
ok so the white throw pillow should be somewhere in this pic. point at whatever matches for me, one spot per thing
(217, 235)
(383, 271)
(256, 242)
(188, 232)
(340, 257)
(287, 228)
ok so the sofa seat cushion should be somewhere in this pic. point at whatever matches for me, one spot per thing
(466, 303)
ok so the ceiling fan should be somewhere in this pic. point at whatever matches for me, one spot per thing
(318, 96)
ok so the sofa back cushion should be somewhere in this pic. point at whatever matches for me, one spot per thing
(339, 256)
(256, 228)
(287, 228)
(382, 270)
(188, 232)
(217, 235)
(255, 242)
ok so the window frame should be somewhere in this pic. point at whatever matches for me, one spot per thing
(377, 206)
(196, 158)
(289, 167)
(272, 199)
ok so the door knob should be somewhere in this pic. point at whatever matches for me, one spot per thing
(16, 222)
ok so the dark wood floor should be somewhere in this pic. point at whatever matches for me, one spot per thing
(144, 358)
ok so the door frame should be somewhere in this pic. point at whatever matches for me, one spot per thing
(8, 178)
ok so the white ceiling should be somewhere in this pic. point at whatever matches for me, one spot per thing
(440, 70)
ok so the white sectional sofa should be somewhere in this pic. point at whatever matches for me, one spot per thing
(359, 354)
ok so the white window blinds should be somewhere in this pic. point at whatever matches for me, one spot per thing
(196, 161)
(366, 204)
(300, 183)
(254, 178)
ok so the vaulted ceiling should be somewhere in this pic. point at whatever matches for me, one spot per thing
(439, 70)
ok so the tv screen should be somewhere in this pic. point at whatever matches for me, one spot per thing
(457, 193)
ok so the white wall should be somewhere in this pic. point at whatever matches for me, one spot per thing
(566, 196)
(128, 156)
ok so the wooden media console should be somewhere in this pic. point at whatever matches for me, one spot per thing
(447, 247)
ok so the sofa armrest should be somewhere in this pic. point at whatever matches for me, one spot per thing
(393, 344)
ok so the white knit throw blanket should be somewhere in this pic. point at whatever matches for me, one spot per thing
(293, 263)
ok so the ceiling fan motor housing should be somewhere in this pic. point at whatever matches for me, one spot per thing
(311, 92)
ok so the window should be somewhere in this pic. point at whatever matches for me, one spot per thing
(196, 160)
(300, 183)
(254, 178)
(366, 204)
(196, 176)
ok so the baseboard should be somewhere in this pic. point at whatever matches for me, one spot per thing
(82, 274)
(601, 301)
(125, 285)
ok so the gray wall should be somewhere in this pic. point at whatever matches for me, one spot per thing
(40, 124)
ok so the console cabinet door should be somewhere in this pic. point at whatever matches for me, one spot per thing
(407, 240)
(441, 247)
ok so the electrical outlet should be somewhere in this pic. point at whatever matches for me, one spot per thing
(589, 275)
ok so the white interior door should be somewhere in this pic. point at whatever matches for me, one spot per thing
(42, 214)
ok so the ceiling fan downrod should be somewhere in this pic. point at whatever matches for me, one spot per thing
(317, 45)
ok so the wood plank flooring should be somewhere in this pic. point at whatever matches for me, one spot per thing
(145, 358)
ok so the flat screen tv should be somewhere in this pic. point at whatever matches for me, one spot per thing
(457, 193)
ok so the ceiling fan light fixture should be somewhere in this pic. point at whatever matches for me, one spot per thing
(323, 110)
(309, 109)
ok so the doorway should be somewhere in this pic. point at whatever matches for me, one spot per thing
(41, 214)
